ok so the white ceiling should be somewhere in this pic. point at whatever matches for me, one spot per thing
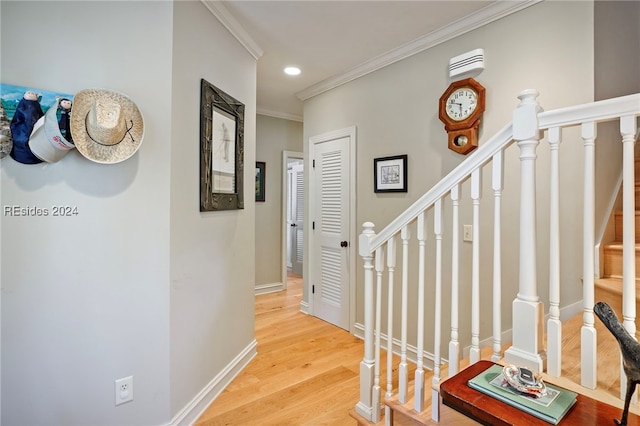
(336, 41)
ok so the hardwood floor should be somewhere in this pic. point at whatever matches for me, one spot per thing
(306, 371)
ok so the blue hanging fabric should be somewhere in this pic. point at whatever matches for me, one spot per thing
(27, 113)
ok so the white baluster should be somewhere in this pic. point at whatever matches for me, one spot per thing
(554, 326)
(403, 369)
(419, 376)
(454, 344)
(376, 402)
(527, 344)
(364, 407)
(476, 194)
(496, 185)
(628, 130)
(437, 230)
(588, 333)
(391, 265)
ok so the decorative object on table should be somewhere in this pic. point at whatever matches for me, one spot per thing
(27, 113)
(390, 174)
(107, 127)
(47, 141)
(460, 109)
(629, 348)
(550, 406)
(10, 97)
(524, 381)
(221, 150)
(261, 169)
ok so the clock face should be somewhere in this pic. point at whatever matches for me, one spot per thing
(461, 103)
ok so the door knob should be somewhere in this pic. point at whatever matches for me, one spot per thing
(344, 244)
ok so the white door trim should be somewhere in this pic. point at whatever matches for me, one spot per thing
(286, 155)
(351, 133)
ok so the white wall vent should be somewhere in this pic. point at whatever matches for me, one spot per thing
(466, 63)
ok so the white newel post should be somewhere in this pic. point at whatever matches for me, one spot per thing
(364, 407)
(527, 349)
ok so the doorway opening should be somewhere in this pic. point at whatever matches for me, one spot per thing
(292, 213)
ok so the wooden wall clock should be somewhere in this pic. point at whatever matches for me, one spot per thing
(461, 107)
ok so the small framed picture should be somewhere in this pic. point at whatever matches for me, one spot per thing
(390, 174)
(260, 175)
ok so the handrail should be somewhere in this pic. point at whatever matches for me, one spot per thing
(605, 110)
(561, 117)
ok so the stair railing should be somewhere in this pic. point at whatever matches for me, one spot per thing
(529, 121)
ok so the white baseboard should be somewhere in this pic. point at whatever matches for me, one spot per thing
(506, 336)
(194, 409)
(304, 307)
(268, 288)
(571, 311)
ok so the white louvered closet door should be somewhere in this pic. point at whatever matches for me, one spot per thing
(297, 192)
(331, 232)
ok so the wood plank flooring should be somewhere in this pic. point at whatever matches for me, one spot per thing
(306, 371)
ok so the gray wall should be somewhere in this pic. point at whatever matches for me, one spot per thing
(274, 135)
(139, 282)
(617, 48)
(549, 47)
(212, 255)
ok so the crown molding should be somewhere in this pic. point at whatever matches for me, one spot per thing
(233, 26)
(278, 114)
(484, 16)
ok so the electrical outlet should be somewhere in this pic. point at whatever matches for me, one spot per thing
(467, 233)
(124, 390)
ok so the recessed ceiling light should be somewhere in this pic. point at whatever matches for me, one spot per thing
(292, 71)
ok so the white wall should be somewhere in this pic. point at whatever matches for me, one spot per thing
(139, 282)
(85, 299)
(274, 135)
(549, 47)
(212, 253)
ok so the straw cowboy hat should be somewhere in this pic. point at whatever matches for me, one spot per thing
(106, 126)
(46, 141)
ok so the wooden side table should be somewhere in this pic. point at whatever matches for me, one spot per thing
(487, 410)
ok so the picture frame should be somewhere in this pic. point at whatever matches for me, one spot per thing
(261, 169)
(221, 150)
(390, 174)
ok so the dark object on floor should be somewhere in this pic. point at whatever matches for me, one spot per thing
(629, 348)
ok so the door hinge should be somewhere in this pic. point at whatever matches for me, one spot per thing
(314, 164)
(313, 225)
(313, 289)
